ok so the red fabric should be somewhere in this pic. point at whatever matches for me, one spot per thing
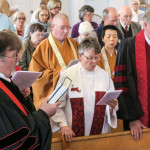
(120, 68)
(12, 96)
(77, 106)
(120, 79)
(99, 114)
(18, 68)
(141, 68)
(148, 75)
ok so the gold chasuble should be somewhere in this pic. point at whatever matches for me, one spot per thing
(107, 62)
(45, 60)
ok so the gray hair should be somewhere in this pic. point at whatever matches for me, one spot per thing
(146, 17)
(84, 10)
(88, 43)
(132, 1)
(105, 12)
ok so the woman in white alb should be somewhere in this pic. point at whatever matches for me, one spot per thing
(78, 114)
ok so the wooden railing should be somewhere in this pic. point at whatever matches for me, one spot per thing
(111, 141)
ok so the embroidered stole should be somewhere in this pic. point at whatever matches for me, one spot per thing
(105, 60)
(141, 67)
(77, 106)
(57, 52)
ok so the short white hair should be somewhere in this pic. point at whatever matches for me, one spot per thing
(85, 27)
(132, 1)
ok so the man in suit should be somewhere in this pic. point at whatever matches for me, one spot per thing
(126, 26)
(110, 17)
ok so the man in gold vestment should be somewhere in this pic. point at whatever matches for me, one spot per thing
(51, 56)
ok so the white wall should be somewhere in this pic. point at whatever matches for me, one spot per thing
(69, 7)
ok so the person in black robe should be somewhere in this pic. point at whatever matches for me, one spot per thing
(21, 127)
(132, 75)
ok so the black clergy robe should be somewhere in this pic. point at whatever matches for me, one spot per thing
(19, 129)
(127, 79)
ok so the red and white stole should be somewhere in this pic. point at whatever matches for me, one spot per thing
(77, 105)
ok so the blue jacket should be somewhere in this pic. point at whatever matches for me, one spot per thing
(5, 23)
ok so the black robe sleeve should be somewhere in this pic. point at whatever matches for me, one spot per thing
(18, 131)
(126, 79)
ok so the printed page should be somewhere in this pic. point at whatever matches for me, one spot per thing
(109, 95)
(24, 79)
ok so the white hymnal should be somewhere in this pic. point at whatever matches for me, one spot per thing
(24, 79)
(59, 91)
(109, 95)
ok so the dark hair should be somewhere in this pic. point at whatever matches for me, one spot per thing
(36, 27)
(109, 27)
(9, 39)
(84, 10)
(87, 43)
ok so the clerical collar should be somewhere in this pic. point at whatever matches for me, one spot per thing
(147, 39)
(4, 77)
(124, 25)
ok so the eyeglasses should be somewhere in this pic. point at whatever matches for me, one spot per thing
(19, 18)
(15, 56)
(59, 8)
(63, 27)
(90, 59)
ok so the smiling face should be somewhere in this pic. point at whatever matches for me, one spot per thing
(110, 39)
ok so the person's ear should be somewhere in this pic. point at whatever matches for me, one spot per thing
(31, 34)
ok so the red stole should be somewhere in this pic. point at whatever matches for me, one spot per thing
(78, 124)
(13, 98)
(141, 67)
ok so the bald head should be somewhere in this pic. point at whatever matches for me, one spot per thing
(125, 15)
(60, 26)
(60, 16)
(110, 16)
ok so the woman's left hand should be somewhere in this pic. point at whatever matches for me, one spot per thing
(26, 92)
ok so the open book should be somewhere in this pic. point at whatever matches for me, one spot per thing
(59, 91)
(109, 95)
(24, 79)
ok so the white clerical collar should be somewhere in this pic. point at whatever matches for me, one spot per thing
(124, 25)
(147, 39)
(4, 77)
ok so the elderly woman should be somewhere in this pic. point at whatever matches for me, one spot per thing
(36, 36)
(85, 14)
(54, 7)
(85, 30)
(19, 18)
(108, 52)
(134, 4)
(28, 128)
(78, 114)
(42, 17)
